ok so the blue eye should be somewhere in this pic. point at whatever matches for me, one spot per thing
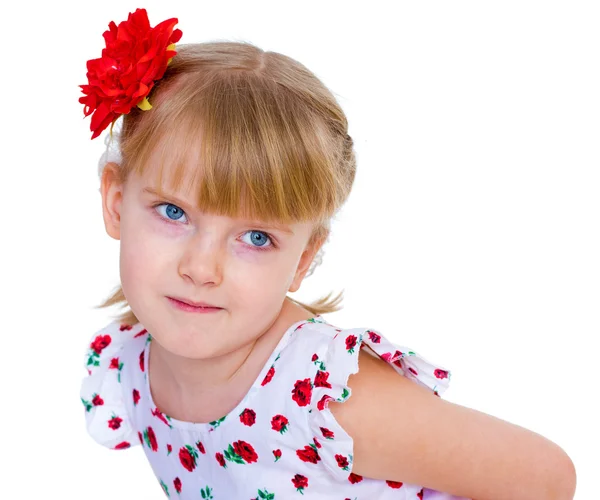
(172, 210)
(259, 238)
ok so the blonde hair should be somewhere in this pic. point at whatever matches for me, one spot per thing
(274, 141)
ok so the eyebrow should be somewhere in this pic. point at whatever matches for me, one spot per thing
(273, 225)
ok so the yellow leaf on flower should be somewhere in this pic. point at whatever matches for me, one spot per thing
(144, 105)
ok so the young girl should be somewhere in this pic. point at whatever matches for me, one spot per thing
(220, 184)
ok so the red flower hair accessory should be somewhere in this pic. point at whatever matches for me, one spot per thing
(135, 56)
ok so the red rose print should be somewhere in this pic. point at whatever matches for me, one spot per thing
(351, 343)
(420, 495)
(354, 478)
(248, 417)
(158, 414)
(141, 438)
(177, 484)
(187, 457)
(321, 379)
(394, 484)
(136, 396)
(100, 342)
(246, 451)
(302, 392)
(317, 444)
(150, 438)
(314, 358)
(374, 337)
(342, 461)
(115, 422)
(300, 482)
(440, 373)
(414, 372)
(221, 459)
(169, 449)
(124, 327)
(308, 454)
(122, 446)
(268, 376)
(97, 401)
(140, 333)
(387, 357)
(398, 354)
(321, 405)
(327, 434)
(114, 363)
(200, 447)
(142, 360)
(279, 423)
(277, 454)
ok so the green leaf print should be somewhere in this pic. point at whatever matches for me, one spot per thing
(206, 493)
(232, 456)
(266, 495)
(410, 353)
(87, 404)
(165, 488)
(344, 395)
(216, 423)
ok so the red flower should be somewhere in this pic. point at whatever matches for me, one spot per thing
(100, 342)
(151, 439)
(321, 405)
(440, 373)
(97, 401)
(169, 449)
(327, 434)
(115, 422)
(300, 482)
(342, 461)
(141, 438)
(122, 446)
(420, 494)
(135, 56)
(279, 423)
(277, 454)
(354, 478)
(268, 376)
(414, 372)
(314, 358)
(124, 326)
(374, 337)
(221, 459)
(317, 444)
(142, 360)
(302, 392)
(248, 417)
(321, 379)
(351, 343)
(114, 363)
(187, 459)
(387, 357)
(246, 451)
(136, 396)
(394, 484)
(308, 454)
(200, 446)
(177, 484)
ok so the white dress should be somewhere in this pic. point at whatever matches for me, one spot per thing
(280, 442)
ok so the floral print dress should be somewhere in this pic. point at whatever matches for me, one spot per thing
(280, 442)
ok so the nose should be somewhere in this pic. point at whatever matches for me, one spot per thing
(202, 260)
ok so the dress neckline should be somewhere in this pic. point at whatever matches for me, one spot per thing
(205, 427)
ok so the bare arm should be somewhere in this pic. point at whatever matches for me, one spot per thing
(418, 438)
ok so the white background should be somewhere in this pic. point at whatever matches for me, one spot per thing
(472, 233)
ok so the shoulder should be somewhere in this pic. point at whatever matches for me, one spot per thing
(415, 437)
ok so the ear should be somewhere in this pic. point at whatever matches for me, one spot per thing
(305, 261)
(112, 196)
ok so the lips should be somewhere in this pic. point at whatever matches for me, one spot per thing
(194, 304)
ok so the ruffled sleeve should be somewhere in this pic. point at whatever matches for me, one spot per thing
(330, 383)
(106, 415)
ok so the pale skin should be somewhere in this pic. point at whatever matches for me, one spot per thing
(419, 438)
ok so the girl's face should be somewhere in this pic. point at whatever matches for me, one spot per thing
(169, 249)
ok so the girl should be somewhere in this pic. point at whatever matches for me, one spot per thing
(220, 182)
